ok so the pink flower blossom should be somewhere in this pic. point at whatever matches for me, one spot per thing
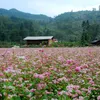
(41, 76)
(91, 82)
(32, 90)
(1, 74)
(69, 61)
(74, 95)
(70, 88)
(69, 94)
(81, 98)
(78, 92)
(98, 98)
(63, 79)
(9, 69)
(47, 74)
(47, 92)
(77, 69)
(85, 90)
(41, 50)
(41, 86)
(59, 93)
(0, 95)
(36, 75)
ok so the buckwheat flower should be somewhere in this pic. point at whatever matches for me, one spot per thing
(89, 91)
(10, 96)
(65, 65)
(9, 69)
(69, 94)
(97, 72)
(98, 98)
(85, 90)
(47, 92)
(55, 81)
(70, 88)
(78, 91)
(77, 69)
(61, 74)
(61, 92)
(81, 98)
(47, 74)
(41, 76)
(69, 61)
(0, 95)
(1, 74)
(75, 99)
(82, 81)
(74, 95)
(85, 66)
(8, 52)
(76, 87)
(21, 57)
(41, 50)
(32, 90)
(11, 87)
(20, 79)
(36, 75)
(91, 82)
(63, 79)
(69, 70)
(41, 86)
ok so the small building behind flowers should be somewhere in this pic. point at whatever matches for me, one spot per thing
(96, 42)
(39, 40)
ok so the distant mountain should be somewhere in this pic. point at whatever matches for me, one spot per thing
(65, 27)
(69, 24)
(19, 14)
(79, 16)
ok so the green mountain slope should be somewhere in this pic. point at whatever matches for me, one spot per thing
(64, 27)
(70, 23)
(19, 14)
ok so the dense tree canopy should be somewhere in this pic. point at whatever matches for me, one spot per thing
(81, 26)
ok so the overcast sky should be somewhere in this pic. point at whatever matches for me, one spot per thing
(49, 7)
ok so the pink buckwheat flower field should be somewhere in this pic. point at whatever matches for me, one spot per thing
(50, 73)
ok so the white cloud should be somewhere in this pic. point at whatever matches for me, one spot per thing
(49, 7)
(55, 7)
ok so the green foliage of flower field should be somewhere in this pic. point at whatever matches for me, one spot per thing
(50, 74)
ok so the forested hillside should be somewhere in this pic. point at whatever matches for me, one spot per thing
(70, 23)
(19, 14)
(69, 26)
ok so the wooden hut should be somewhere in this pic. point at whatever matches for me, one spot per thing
(95, 42)
(37, 40)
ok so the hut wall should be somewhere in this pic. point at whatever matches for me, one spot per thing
(37, 42)
(96, 43)
(50, 41)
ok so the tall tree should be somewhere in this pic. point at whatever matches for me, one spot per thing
(85, 39)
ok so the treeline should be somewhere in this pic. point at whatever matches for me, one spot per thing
(76, 27)
(89, 33)
(14, 29)
(70, 24)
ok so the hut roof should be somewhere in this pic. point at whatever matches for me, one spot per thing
(38, 38)
(95, 41)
